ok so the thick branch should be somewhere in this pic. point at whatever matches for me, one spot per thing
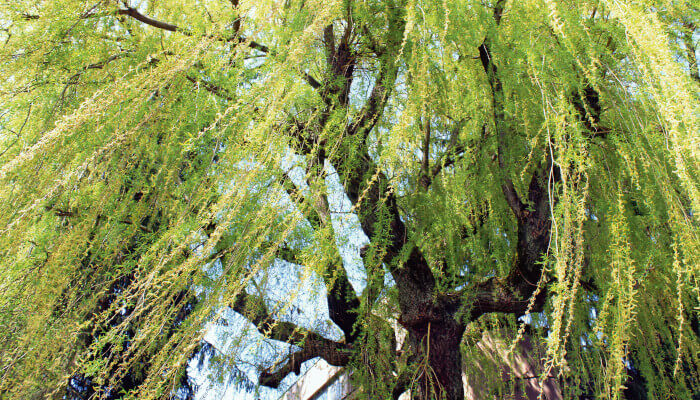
(312, 81)
(341, 62)
(342, 302)
(341, 299)
(237, 21)
(491, 71)
(253, 308)
(334, 353)
(312, 215)
(329, 43)
(369, 191)
(369, 116)
(497, 296)
(312, 344)
(511, 294)
(135, 14)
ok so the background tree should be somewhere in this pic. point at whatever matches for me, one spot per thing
(523, 167)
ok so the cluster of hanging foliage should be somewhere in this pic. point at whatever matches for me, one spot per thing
(525, 169)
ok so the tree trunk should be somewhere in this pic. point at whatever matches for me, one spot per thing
(434, 337)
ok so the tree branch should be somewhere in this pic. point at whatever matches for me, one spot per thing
(341, 299)
(237, 21)
(512, 294)
(312, 81)
(300, 200)
(690, 50)
(73, 79)
(490, 69)
(454, 152)
(135, 14)
(337, 354)
(497, 296)
(253, 308)
(375, 201)
(369, 116)
(211, 88)
(312, 344)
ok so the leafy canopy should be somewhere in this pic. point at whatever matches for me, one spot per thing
(159, 160)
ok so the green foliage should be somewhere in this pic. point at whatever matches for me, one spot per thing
(137, 158)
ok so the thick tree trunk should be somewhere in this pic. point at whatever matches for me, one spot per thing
(434, 336)
(440, 374)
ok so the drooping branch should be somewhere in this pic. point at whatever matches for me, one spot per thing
(237, 38)
(341, 299)
(491, 71)
(211, 88)
(691, 50)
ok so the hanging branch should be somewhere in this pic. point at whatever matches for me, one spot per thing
(211, 88)
(135, 14)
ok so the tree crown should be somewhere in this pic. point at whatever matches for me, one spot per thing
(528, 168)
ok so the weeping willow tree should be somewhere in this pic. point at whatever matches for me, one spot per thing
(530, 169)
